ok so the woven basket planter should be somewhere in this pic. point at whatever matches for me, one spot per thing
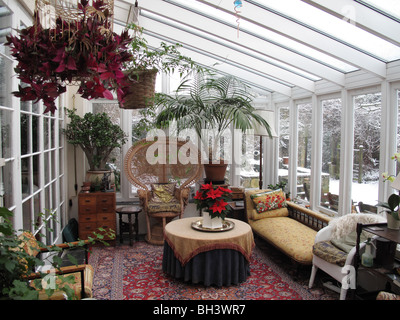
(142, 89)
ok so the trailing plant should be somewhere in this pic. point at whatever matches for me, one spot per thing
(84, 51)
(165, 58)
(16, 264)
(96, 135)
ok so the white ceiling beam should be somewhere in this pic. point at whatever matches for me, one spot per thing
(249, 77)
(362, 16)
(260, 46)
(306, 36)
(225, 53)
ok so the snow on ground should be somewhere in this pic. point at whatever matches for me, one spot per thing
(365, 192)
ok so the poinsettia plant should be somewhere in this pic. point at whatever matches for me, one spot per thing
(84, 51)
(214, 200)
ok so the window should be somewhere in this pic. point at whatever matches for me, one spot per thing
(330, 168)
(111, 108)
(304, 127)
(6, 111)
(250, 168)
(367, 125)
(284, 141)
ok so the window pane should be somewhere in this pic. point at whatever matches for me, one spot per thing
(250, 168)
(330, 170)
(304, 150)
(25, 130)
(6, 142)
(367, 113)
(115, 160)
(25, 177)
(7, 180)
(35, 133)
(283, 144)
(398, 130)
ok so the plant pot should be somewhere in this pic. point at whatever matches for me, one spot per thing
(392, 223)
(215, 171)
(211, 223)
(95, 177)
(142, 89)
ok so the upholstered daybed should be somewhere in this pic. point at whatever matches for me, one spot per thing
(289, 227)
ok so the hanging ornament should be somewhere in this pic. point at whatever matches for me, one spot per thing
(237, 4)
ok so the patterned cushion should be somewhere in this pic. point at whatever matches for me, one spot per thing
(75, 286)
(162, 192)
(29, 243)
(173, 206)
(292, 237)
(330, 253)
(269, 200)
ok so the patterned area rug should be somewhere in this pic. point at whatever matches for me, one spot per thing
(135, 273)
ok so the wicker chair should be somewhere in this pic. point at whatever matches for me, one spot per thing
(154, 165)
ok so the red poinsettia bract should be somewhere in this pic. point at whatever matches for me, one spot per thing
(213, 199)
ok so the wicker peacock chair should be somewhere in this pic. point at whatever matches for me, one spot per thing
(162, 172)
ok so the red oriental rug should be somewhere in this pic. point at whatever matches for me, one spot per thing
(135, 273)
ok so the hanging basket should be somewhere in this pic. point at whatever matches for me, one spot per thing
(142, 89)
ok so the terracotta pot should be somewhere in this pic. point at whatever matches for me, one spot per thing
(215, 172)
(95, 177)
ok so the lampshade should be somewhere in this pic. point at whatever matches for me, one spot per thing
(268, 116)
(396, 183)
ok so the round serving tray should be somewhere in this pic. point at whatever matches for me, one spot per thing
(226, 225)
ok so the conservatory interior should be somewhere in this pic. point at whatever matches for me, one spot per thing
(326, 73)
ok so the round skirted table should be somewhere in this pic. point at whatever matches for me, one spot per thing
(212, 258)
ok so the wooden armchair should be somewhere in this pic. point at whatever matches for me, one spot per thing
(162, 170)
(82, 274)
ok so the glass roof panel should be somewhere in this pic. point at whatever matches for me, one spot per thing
(391, 7)
(263, 33)
(340, 29)
(230, 44)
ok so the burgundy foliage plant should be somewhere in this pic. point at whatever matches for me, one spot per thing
(84, 51)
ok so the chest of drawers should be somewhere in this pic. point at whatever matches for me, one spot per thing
(96, 210)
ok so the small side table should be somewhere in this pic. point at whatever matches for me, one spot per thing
(128, 227)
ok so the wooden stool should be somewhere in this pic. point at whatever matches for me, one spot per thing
(124, 227)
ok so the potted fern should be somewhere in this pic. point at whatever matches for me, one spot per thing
(210, 105)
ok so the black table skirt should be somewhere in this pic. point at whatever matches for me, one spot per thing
(221, 267)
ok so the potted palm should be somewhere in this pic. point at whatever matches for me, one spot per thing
(210, 105)
(144, 65)
(98, 137)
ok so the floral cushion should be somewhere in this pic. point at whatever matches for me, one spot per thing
(330, 253)
(292, 237)
(162, 192)
(269, 200)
